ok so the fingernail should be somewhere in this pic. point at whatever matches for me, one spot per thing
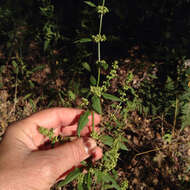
(89, 145)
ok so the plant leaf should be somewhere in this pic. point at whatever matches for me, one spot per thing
(71, 176)
(108, 178)
(83, 40)
(27, 96)
(46, 45)
(16, 68)
(38, 68)
(92, 80)
(107, 140)
(89, 181)
(80, 186)
(90, 3)
(123, 146)
(84, 90)
(98, 176)
(104, 65)
(111, 97)
(83, 121)
(86, 66)
(96, 105)
(71, 95)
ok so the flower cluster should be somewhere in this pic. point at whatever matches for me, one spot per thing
(102, 9)
(112, 75)
(99, 38)
(96, 90)
(111, 157)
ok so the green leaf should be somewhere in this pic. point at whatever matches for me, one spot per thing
(105, 66)
(38, 68)
(98, 175)
(2, 69)
(108, 178)
(90, 3)
(71, 95)
(27, 96)
(86, 66)
(96, 105)
(83, 121)
(33, 105)
(84, 90)
(92, 80)
(15, 65)
(1, 85)
(71, 176)
(31, 84)
(83, 40)
(110, 97)
(123, 146)
(107, 140)
(46, 45)
(89, 181)
(80, 186)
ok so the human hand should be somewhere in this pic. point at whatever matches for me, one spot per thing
(24, 166)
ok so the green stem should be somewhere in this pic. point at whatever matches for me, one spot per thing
(99, 44)
(175, 116)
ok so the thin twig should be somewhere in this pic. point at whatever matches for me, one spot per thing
(156, 149)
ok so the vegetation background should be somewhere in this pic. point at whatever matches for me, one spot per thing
(48, 58)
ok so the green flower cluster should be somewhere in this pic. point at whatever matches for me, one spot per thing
(102, 9)
(111, 157)
(96, 90)
(99, 38)
(125, 185)
(85, 102)
(80, 178)
(112, 74)
(95, 135)
(101, 62)
(123, 95)
(129, 79)
(49, 133)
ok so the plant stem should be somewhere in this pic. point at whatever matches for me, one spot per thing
(99, 44)
(175, 116)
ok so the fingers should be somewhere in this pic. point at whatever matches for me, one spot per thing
(71, 154)
(97, 154)
(72, 130)
(57, 117)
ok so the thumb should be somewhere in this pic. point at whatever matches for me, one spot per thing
(70, 154)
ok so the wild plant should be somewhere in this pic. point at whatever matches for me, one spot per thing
(103, 174)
